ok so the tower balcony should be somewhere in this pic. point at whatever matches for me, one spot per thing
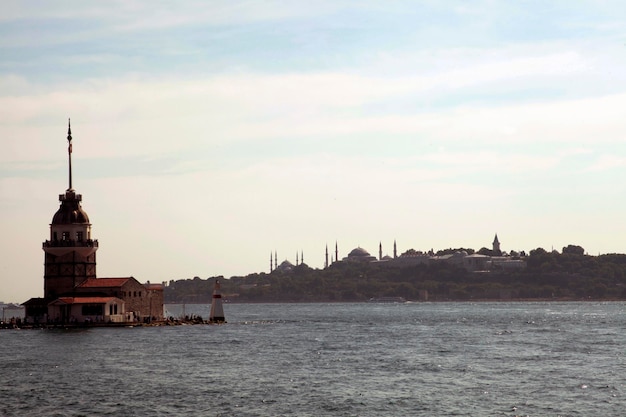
(61, 247)
(70, 195)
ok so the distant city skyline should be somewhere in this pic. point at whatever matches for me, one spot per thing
(331, 254)
(208, 133)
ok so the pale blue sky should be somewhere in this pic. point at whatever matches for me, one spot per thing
(209, 134)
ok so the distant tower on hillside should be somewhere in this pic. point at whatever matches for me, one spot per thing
(496, 246)
(336, 252)
(271, 263)
(395, 250)
(217, 310)
(301, 256)
(380, 251)
(296, 258)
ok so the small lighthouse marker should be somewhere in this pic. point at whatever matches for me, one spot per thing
(217, 310)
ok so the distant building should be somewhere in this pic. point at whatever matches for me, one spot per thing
(285, 266)
(477, 262)
(411, 257)
(359, 255)
(496, 246)
(456, 258)
(473, 263)
(72, 293)
(506, 263)
(11, 312)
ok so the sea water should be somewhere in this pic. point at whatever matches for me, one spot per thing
(414, 359)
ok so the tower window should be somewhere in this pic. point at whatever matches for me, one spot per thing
(65, 236)
(79, 236)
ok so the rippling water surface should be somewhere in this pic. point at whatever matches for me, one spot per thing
(422, 359)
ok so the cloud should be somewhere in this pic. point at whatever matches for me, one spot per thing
(159, 116)
(66, 22)
(607, 163)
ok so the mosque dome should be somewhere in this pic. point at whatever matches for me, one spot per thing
(359, 255)
(285, 266)
(358, 252)
(70, 211)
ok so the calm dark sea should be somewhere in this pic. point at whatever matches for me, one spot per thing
(422, 359)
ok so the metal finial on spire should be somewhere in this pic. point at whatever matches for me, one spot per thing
(69, 152)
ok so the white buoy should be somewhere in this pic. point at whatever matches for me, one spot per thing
(217, 311)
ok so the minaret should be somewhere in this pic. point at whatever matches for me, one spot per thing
(336, 252)
(276, 258)
(70, 254)
(395, 250)
(326, 259)
(301, 257)
(217, 310)
(380, 251)
(271, 263)
(296, 258)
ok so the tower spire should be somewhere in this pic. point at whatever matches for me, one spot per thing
(496, 246)
(326, 260)
(69, 152)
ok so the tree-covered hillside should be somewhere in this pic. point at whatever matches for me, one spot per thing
(549, 275)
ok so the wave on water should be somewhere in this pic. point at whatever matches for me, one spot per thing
(329, 359)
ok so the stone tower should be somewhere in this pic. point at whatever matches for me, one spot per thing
(496, 246)
(70, 254)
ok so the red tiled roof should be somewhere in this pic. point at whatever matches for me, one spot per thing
(83, 300)
(103, 282)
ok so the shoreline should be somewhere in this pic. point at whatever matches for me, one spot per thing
(477, 300)
(82, 326)
(19, 325)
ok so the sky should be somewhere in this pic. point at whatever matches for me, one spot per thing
(209, 134)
